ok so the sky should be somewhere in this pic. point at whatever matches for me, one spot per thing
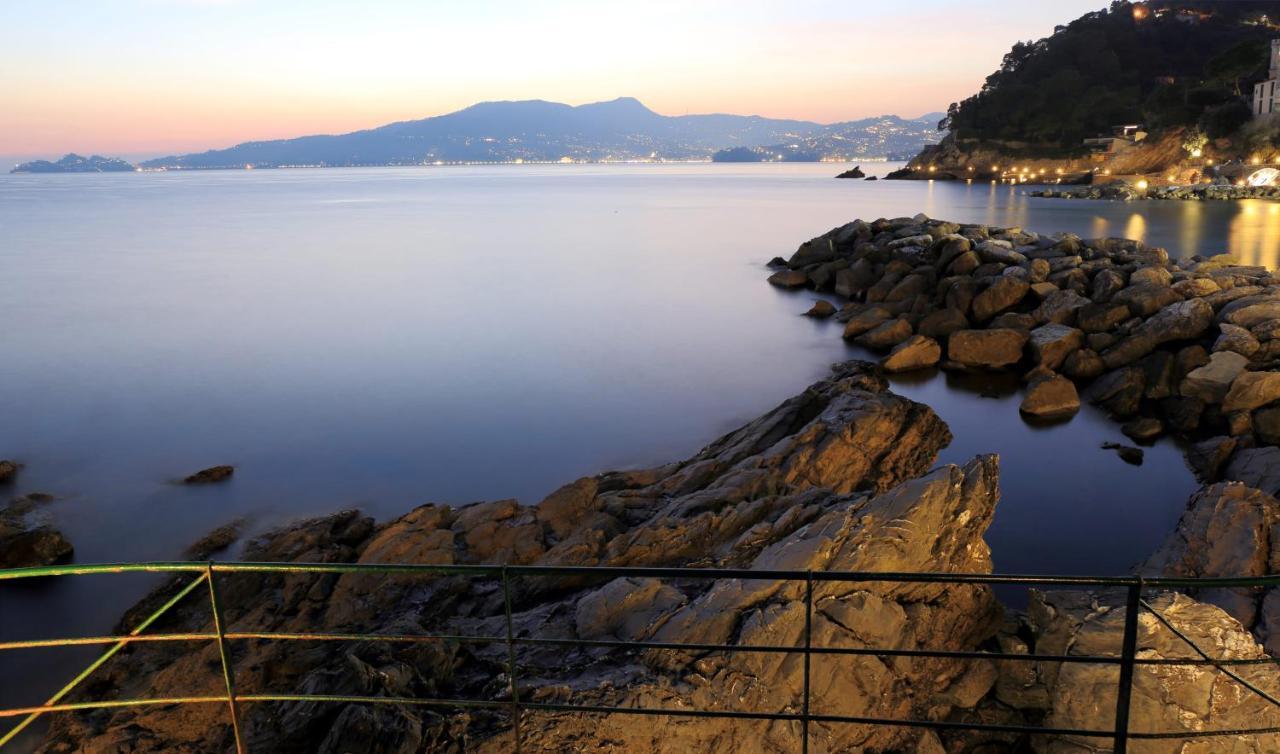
(142, 78)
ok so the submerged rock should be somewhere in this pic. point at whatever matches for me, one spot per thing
(211, 475)
(1128, 454)
(9, 471)
(27, 538)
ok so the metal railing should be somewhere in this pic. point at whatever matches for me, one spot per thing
(1127, 659)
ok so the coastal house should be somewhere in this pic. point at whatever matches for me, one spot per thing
(1122, 137)
(1264, 92)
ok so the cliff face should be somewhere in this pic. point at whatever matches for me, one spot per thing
(829, 480)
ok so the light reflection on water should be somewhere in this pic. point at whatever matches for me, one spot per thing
(388, 337)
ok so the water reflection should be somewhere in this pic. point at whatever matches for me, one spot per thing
(1254, 235)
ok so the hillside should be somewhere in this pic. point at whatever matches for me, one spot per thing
(1162, 64)
(535, 130)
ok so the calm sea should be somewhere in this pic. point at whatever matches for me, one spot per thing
(383, 338)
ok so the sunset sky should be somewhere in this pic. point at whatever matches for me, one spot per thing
(148, 77)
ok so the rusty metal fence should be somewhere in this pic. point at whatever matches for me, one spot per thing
(205, 574)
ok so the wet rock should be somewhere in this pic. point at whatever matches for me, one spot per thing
(1252, 390)
(1052, 397)
(217, 540)
(865, 321)
(1061, 307)
(1183, 320)
(1130, 455)
(1257, 467)
(1252, 314)
(1003, 294)
(1238, 339)
(1182, 414)
(1208, 457)
(916, 352)
(1144, 429)
(1266, 425)
(777, 262)
(9, 471)
(1105, 285)
(1145, 300)
(26, 540)
(986, 349)
(789, 279)
(814, 251)
(1151, 276)
(1196, 287)
(1051, 344)
(821, 310)
(853, 172)
(886, 335)
(1084, 364)
(941, 323)
(211, 475)
(1013, 321)
(1211, 382)
(1094, 318)
(1119, 392)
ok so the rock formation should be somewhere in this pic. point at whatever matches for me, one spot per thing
(1190, 347)
(837, 478)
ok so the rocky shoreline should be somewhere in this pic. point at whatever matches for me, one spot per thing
(1129, 192)
(1188, 347)
(841, 477)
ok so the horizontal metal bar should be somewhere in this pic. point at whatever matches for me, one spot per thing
(110, 704)
(647, 711)
(655, 572)
(622, 644)
(80, 641)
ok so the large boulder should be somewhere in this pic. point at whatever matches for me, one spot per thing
(916, 352)
(1051, 397)
(1252, 390)
(986, 349)
(1003, 294)
(1061, 307)
(885, 335)
(1184, 320)
(1165, 698)
(1145, 300)
(1119, 391)
(1051, 344)
(1211, 382)
(1256, 467)
(1227, 531)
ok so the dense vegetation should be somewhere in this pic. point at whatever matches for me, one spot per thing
(1162, 64)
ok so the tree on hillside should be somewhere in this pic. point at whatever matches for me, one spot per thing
(1117, 66)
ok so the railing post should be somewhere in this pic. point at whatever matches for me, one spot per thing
(228, 675)
(511, 659)
(1128, 652)
(808, 645)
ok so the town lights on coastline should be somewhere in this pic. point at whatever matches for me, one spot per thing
(1142, 184)
(1197, 152)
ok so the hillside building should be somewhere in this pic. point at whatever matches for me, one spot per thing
(1264, 92)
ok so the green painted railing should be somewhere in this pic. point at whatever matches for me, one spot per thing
(206, 573)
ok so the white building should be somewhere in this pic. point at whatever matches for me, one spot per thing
(1264, 93)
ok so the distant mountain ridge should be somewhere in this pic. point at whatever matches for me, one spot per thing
(537, 130)
(74, 163)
